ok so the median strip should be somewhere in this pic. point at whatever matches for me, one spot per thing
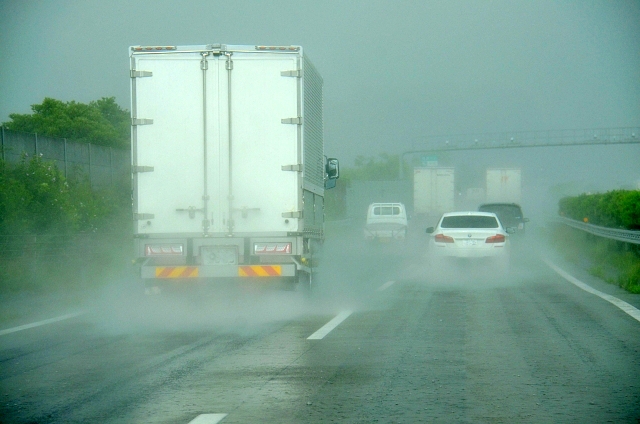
(621, 304)
(40, 323)
(326, 329)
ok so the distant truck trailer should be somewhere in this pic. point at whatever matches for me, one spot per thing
(503, 185)
(433, 190)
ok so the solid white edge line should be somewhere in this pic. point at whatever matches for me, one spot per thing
(208, 419)
(40, 323)
(385, 286)
(621, 304)
(326, 329)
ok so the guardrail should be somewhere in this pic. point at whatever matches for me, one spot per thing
(626, 236)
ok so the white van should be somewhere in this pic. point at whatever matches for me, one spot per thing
(386, 221)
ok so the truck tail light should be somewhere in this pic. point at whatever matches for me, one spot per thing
(152, 48)
(441, 238)
(272, 248)
(163, 250)
(498, 238)
(278, 48)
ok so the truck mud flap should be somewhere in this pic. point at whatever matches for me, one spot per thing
(224, 271)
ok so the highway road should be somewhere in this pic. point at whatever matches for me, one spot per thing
(385, 339)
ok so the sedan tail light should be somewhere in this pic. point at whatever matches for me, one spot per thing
(441, 238)
(498, 238)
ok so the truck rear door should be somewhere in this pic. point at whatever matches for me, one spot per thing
(167, 103)
(264, 138)
(213, 137)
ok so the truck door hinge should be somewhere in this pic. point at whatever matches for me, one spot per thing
(297, 167)
(141, 121)
(142, 216)
(295, 73)
(141, 74)
(139, 169)
(296, 214)
(296, 121)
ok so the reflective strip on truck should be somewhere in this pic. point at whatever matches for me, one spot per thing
(176, 271)
(259, 270)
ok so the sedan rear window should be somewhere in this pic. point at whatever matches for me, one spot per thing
(469, 221)
(506, 211)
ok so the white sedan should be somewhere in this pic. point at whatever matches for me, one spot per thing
(469, 235)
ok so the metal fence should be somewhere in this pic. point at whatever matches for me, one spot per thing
(103, 166)
(627, 236)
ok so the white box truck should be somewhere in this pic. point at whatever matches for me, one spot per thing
(228, 165)
(433, 191)
(503, 185)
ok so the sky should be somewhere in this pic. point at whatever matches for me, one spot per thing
(395, 72)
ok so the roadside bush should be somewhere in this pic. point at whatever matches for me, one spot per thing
(36, 198)
(58, 234)
(615, 209)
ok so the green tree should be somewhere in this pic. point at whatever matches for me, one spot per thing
(101, 122)
(118, 117)
(384, 167)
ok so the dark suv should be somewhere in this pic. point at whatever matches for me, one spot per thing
(510, 214)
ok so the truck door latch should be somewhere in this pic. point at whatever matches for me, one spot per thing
(245, 210)
(192, 211)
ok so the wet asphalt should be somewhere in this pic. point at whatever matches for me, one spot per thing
(421, 342)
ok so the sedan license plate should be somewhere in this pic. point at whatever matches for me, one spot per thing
(469, 242)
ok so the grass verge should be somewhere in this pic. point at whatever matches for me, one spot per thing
(67, 265)
(610, 260)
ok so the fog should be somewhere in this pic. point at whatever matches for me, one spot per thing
(396, 74)
(354, 274)
(460, 340)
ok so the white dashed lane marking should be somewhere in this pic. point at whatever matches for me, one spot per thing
(385, 286)
(326, 329)
(208, 419)
(40, 323)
